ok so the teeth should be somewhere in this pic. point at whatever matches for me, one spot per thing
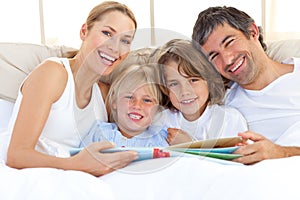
(107, 57)
(133, 116)
(237, 66)
(188, 101)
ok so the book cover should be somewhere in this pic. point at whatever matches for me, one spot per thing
(220, 148)
(210, 143)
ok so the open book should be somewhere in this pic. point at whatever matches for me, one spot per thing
(220, 148)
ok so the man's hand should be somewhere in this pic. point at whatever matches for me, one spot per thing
(259, 150)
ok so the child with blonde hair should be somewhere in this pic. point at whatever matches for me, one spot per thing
(195, 91)
(133, 100)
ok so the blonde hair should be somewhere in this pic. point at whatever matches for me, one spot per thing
(98, 11)
(191, 63)
(131, 78)
(141, 56)
(101, 9)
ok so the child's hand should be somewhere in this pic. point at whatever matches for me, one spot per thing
(90, 159)
(177, 136)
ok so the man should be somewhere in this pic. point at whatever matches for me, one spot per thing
(266, 92)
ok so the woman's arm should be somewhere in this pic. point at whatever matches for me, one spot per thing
(42, 88)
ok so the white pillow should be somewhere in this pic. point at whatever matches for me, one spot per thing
(281, 50)
(18, 59)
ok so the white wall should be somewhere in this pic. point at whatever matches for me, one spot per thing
(20, 19)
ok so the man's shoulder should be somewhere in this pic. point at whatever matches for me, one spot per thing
(231, 92)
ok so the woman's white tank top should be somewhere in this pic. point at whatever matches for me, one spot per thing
(67, 124)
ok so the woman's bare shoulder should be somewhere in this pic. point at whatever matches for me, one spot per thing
(49, 78)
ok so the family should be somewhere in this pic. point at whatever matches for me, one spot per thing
(219, 84)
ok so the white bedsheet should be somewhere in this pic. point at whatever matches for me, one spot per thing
(189, 178)
(46, 184)
(160, 179)
(6, 108)
(166, 178)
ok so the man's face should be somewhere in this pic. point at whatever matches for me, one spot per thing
(232, 54)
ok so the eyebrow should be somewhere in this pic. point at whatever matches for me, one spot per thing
(114, 30)
(111, 28)
(226, 38)
(171, 80)
(126, 93)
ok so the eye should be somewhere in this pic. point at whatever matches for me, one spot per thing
(172, 84)
(229, 42)
(107, 33)
(126, 41)
(193, 80)
(212, 56)
(147, 100)
(129, 97)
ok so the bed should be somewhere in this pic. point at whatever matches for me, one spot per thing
(164, 178)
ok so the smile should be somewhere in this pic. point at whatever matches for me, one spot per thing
(107, 57)
(237, 66)
(188, 101)
(135, 116)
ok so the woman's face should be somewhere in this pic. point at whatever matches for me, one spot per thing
(107, 41)
(189, 95)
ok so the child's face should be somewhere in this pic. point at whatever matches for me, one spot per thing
(188, 95)
(135, 110)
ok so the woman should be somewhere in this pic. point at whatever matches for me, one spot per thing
(60, 99)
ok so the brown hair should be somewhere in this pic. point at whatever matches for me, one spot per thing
(191, 63)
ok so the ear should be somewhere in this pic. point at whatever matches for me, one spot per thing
(253, 30)
(114, 105)
(83, 31)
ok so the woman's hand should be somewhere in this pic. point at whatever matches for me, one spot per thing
(90, 159)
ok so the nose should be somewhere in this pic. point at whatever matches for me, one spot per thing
(113, 44)
(186, 89)
(227, 57)
(136, 103)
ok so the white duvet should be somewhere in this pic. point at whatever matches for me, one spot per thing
(165, 178)
(161, 179)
